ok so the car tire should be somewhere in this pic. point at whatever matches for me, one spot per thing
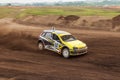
(40, 46)
(65, 53)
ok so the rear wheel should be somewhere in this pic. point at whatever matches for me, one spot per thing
(66, 53)
(40, 46)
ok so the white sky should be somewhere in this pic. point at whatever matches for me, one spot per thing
(29, 1)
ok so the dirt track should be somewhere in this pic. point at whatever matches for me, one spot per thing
(20, 59)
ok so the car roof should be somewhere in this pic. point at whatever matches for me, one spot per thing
(57, 32)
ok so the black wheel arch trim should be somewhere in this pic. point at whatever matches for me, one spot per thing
(41, 41)
(63, 48)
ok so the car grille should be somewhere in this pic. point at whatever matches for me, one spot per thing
(80, 50)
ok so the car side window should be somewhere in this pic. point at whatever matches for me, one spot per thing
(48, 35)
(43, 34)
(55, 37)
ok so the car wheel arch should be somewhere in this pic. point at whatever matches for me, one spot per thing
(41, 42)
(64, 48)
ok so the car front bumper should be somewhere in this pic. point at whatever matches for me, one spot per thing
(79, 51)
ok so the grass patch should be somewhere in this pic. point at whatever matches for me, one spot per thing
(26, 11)
(7, 12)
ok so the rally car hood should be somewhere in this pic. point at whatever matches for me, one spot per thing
(76, 43)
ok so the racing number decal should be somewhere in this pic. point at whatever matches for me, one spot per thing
(56, 44)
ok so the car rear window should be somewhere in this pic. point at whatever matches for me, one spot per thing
(48, 35)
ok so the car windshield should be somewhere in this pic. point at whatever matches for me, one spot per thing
(68, 38)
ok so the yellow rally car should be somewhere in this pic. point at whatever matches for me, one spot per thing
(61, 42)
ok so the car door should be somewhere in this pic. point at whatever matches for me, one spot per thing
(48, 40)
(57, 42)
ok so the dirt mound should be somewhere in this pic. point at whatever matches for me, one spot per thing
(50, 20)
(102, 24)
(68, 19)
(38, 20)
(115, 21)
(107, 24)
(85, 22)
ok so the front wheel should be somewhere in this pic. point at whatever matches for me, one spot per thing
(66, 53)
(40, 46)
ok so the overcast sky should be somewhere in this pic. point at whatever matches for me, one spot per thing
(29, 1)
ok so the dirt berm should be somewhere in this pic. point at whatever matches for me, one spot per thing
(21, 60)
